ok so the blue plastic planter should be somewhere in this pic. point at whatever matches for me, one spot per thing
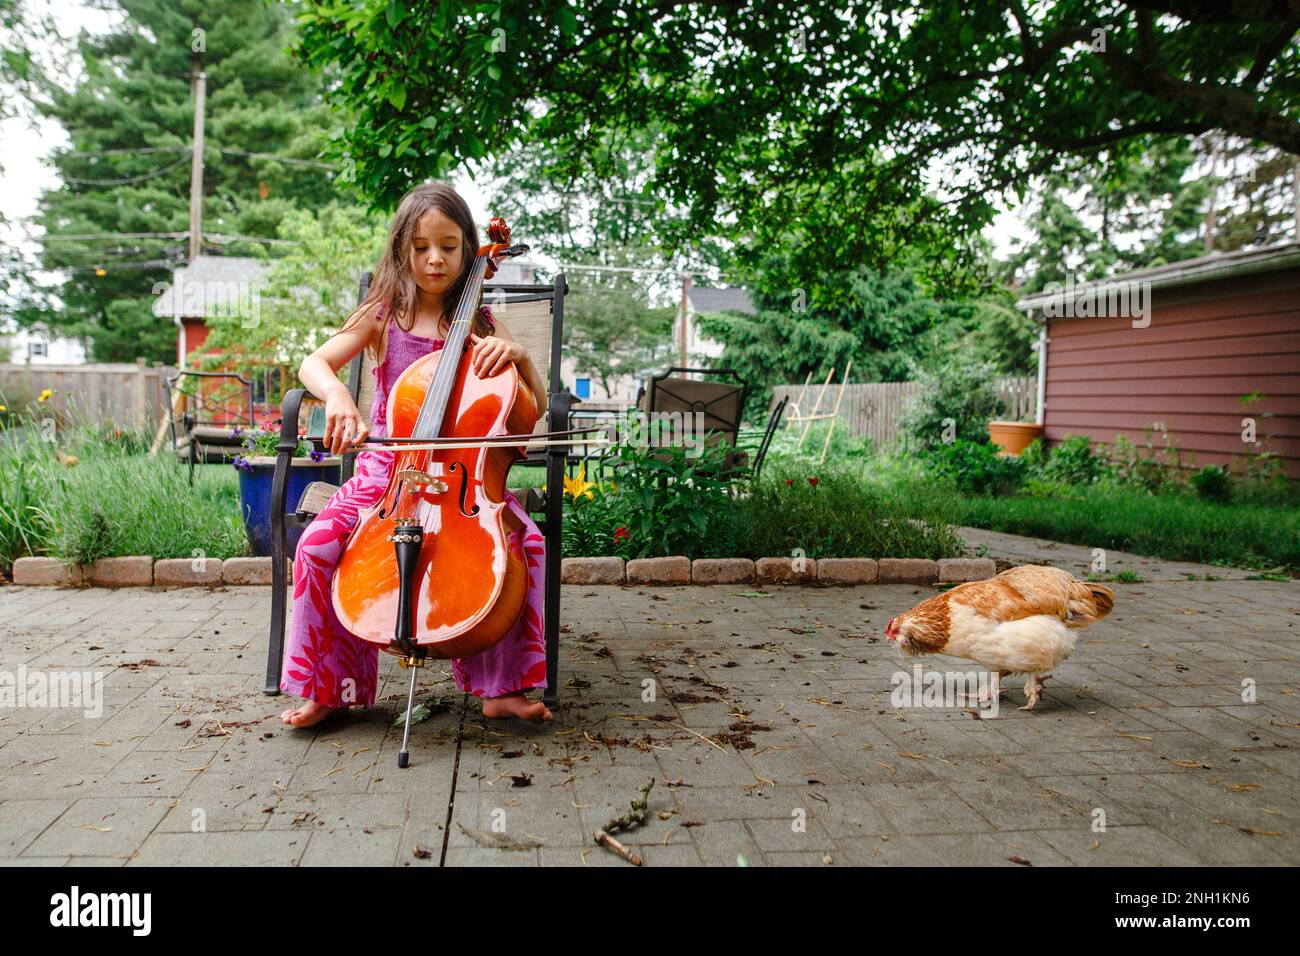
(255, 497)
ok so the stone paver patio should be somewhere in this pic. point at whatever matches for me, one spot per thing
(770, 735)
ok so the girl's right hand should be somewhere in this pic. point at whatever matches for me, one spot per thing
(344, 423)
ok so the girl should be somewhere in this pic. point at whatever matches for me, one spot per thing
(406, 314)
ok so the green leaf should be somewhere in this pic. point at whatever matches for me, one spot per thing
(474, 146)
(397, 96)
(419, 714)
(494, 71)
(394, 14)
(568, 22)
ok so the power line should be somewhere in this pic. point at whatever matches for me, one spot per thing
(217, 238)
(107, 267)
(163, 170)
(658, 270)
(129, 180)
(220, 239)
(186, 149)
(124, 152)
(112, 235)
(280, 159)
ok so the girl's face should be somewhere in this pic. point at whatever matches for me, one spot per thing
(436, 253)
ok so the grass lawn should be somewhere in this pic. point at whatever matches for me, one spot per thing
(1174, 526)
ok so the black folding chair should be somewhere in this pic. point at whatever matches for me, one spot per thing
(720, 405)
(773, 422)
(205, 433)
(535, 316)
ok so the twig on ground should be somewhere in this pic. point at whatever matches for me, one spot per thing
(629, 821)
(605, 840)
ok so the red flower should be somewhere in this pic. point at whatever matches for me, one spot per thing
(813, 481)
(789, 482)
(620, 534)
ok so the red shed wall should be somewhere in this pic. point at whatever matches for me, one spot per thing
(1207, 345)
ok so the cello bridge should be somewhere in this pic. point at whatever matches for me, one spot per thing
(415, 479)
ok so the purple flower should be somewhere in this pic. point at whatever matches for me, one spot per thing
(236, 432)
(317, 456)
(243, 464)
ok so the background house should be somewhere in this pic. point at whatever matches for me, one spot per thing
(200, 289)
(698, 349)
(1221, 351)
(39, 347)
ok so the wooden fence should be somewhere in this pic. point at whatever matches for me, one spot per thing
(873, 411)
(124, 394)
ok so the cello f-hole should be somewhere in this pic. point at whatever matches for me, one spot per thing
(464, 488)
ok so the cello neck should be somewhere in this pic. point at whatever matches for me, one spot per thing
(429, 422)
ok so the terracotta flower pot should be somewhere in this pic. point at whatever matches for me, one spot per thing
(1013, 437)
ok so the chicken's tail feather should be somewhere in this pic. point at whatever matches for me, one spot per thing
(1089, 603)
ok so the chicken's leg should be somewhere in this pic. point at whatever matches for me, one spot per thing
(1034, 690)
(995, 687)
(992, 692)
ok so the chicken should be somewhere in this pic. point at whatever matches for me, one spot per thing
(1023, 621)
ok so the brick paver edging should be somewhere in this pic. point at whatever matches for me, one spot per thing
(144, 571)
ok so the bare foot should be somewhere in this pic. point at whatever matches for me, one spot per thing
(517, 705)
(307, 714)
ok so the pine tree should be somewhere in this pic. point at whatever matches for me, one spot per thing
(127, 171)
(1133, 209)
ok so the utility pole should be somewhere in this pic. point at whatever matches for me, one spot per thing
(685, 311)
(196, 165)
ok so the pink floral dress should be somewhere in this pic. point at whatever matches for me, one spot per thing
(327, 663)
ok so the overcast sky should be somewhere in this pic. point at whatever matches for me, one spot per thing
(24, 143)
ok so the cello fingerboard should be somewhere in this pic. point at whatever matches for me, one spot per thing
(428, 423)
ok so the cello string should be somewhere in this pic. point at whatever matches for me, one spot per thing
(429, 421)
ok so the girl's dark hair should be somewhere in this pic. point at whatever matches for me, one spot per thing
(393, 286)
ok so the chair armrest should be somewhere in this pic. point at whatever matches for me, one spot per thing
(289, 409)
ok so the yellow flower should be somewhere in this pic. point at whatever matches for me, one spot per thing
(45, 395)
(4, 408)
(580, 486)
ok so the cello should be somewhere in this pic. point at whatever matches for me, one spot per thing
(428, 570)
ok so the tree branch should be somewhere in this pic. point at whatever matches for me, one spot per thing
(1224, 11)
(1276, 44)
(1232, 110)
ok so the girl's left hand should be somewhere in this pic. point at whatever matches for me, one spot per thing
(492, 354)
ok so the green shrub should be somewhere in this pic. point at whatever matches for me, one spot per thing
(1148, 468)
(1212, 483)
(975, 469)
(1073, 462)
(1035, 456)
(1262, 480)
(666, 501)
(956, 399)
